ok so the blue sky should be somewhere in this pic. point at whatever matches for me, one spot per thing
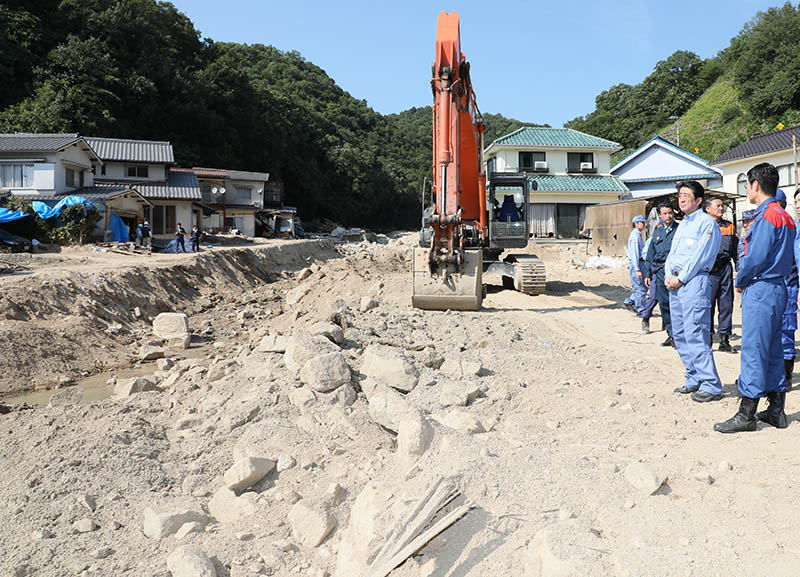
(531, 60)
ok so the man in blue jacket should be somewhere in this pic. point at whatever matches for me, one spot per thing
(694, 250)
(654, 261)
(634, 250)
(789, 323)
(768, 257)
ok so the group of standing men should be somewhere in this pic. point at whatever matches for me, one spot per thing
(688, 267)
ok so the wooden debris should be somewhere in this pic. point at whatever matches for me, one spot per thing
(402, 543)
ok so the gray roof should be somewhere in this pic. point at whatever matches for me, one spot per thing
(26, 142)
(179, 186)
(99, 192)
(761, 144)
(702, 176)
(132, 150)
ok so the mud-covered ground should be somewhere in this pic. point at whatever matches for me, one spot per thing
(554, 415)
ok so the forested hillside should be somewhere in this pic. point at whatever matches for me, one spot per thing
(140, 69)
(748, 88)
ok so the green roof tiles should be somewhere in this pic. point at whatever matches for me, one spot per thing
(554, 138)
(582, 183)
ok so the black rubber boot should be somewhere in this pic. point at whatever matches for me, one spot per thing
(775, 415)
(743, 420)
(725, 345)
(788, 365)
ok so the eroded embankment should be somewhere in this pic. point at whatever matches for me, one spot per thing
(59, 327)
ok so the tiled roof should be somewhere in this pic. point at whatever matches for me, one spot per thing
(704, 176)
(210, 172)
(24, 142)
(132, 150)
(100, 192)
(583, 183)
(761, 144)
(179, 186)
(554, 138)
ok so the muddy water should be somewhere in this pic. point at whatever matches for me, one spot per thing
(96, 387)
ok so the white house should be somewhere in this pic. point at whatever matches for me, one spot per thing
(236, 196)
(45, 164)
(774, 147)
(658, 165)
(144, 166)
(571, 170)
(48, 167)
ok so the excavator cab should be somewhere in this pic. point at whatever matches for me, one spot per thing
(508, 210)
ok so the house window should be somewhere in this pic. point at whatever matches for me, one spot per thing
(527, 160)
(70, 177)
(242, 195)
(103, 170)
(161, 218)
(491, 165)
(80, 178)
(16, 175)
(741, 184)
(138, 171)
(575, 159)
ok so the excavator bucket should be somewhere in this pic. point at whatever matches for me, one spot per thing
(448, 288)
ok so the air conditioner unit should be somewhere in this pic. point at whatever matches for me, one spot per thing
(540, 165)
(586, 166)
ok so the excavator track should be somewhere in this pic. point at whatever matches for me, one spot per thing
(530, 276)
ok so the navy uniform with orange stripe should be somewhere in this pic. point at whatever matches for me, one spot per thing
(721, 279)
(767, 261)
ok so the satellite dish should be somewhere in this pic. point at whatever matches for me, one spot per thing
(214, 190)
(222, 190)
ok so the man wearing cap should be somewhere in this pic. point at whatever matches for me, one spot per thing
(789, 322)
(747, 220)
(767, 261)
(635, 245)
(657, 254)
(721, 275)
(694, 250)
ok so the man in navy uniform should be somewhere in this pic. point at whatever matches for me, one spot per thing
(694, 250)
(657, 254)
(634, 250)
(789, 323)
(721, 275)
(768, 257)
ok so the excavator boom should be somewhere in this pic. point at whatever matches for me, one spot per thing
(446, 276)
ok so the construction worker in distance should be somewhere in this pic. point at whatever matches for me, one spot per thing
(694, 250)
(767, 261)
(747, 221)
(654, 261)
(635, 302)
(789, 322)
(721, 275)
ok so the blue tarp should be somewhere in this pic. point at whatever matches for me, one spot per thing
(46, 212)
(119, 230)
(11, 215)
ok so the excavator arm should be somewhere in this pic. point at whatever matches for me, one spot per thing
(446, 275)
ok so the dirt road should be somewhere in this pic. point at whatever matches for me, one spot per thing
(554, 415)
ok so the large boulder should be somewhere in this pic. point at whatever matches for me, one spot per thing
(272, 344)
(226, 507)
(414, 436)
(463, 422)
(326, 372)
(247, 472)
(128, 387)
(390, 366)
(190, 561)
(311, 522)
(302, 348)
(371, 520)
(387, 407)
(170, 325)
(160, 525)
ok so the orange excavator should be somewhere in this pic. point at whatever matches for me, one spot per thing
(467, 226)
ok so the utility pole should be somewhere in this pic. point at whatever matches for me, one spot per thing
(677, 120)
